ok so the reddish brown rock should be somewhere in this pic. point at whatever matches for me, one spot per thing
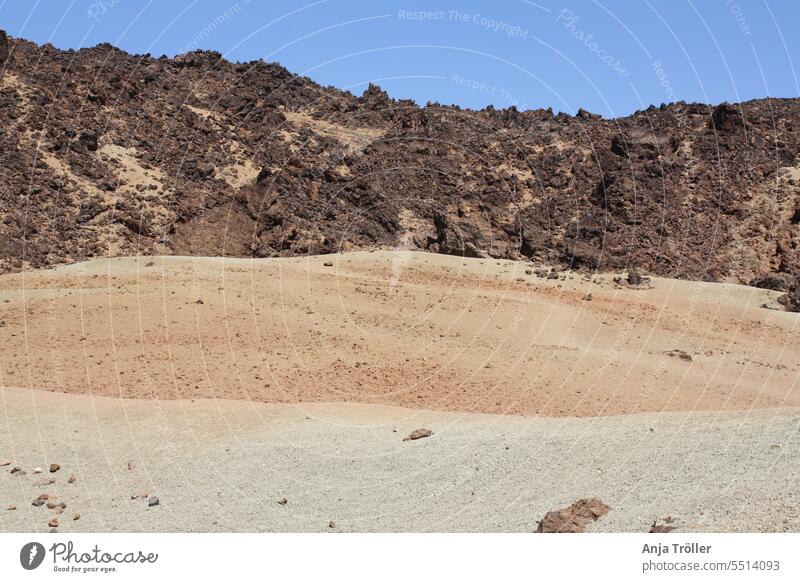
(420, 433)
(315, 145)
(573, 519)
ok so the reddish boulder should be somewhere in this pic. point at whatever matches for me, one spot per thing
(573, 519)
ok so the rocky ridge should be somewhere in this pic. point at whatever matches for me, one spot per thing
(108, 153)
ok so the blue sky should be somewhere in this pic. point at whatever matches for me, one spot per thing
(610, 57)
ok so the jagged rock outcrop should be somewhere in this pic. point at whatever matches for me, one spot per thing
(102, 152)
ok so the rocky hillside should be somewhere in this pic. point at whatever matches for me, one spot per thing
(102, 152)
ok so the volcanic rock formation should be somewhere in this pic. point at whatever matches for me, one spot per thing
(107, 153)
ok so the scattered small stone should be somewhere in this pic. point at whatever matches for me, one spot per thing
(58, 510)
(679, 354)
(663, 524)
(130, 466)
(4, 462)
(15, 470)
(37, 502)
(45, 482)
(54, 467)
(587, 297)
(52, 505)
(11, 508)
(153, 501)
(283, 501)
(573, 519)
(76, 516)
(328, 264)
(420, 433)
(331, 524)
(199, 302)
(37, 470)
(149, 264)
(53, 522)
(552, 275)
(72, 479)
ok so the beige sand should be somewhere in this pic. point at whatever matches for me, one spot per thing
(400, 328)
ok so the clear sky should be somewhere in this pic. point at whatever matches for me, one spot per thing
(609, 57)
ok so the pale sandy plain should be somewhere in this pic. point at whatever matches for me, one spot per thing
(243, 382)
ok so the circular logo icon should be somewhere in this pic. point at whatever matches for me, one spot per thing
(31, 555)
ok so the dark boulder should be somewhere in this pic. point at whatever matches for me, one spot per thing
(726, 117)
(774, 281)
(3, 48)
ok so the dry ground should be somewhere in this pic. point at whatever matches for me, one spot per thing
(224, 466)
(410, 329)
(247, 382)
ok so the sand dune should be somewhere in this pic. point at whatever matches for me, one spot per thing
(410, 329)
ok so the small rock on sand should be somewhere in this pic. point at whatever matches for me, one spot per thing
(283, 501)
(76, 516)
(634, 278)
(663, 524)
(72, 479)
(153, 501)
(11, 508)
(53, 522)
(420, 433)
(37, 470)
(573, 519)
(328, 264)
(331, 524)
(679, 354)
(54, 467)
(4, 462)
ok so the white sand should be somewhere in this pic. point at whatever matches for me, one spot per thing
(222, 466)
